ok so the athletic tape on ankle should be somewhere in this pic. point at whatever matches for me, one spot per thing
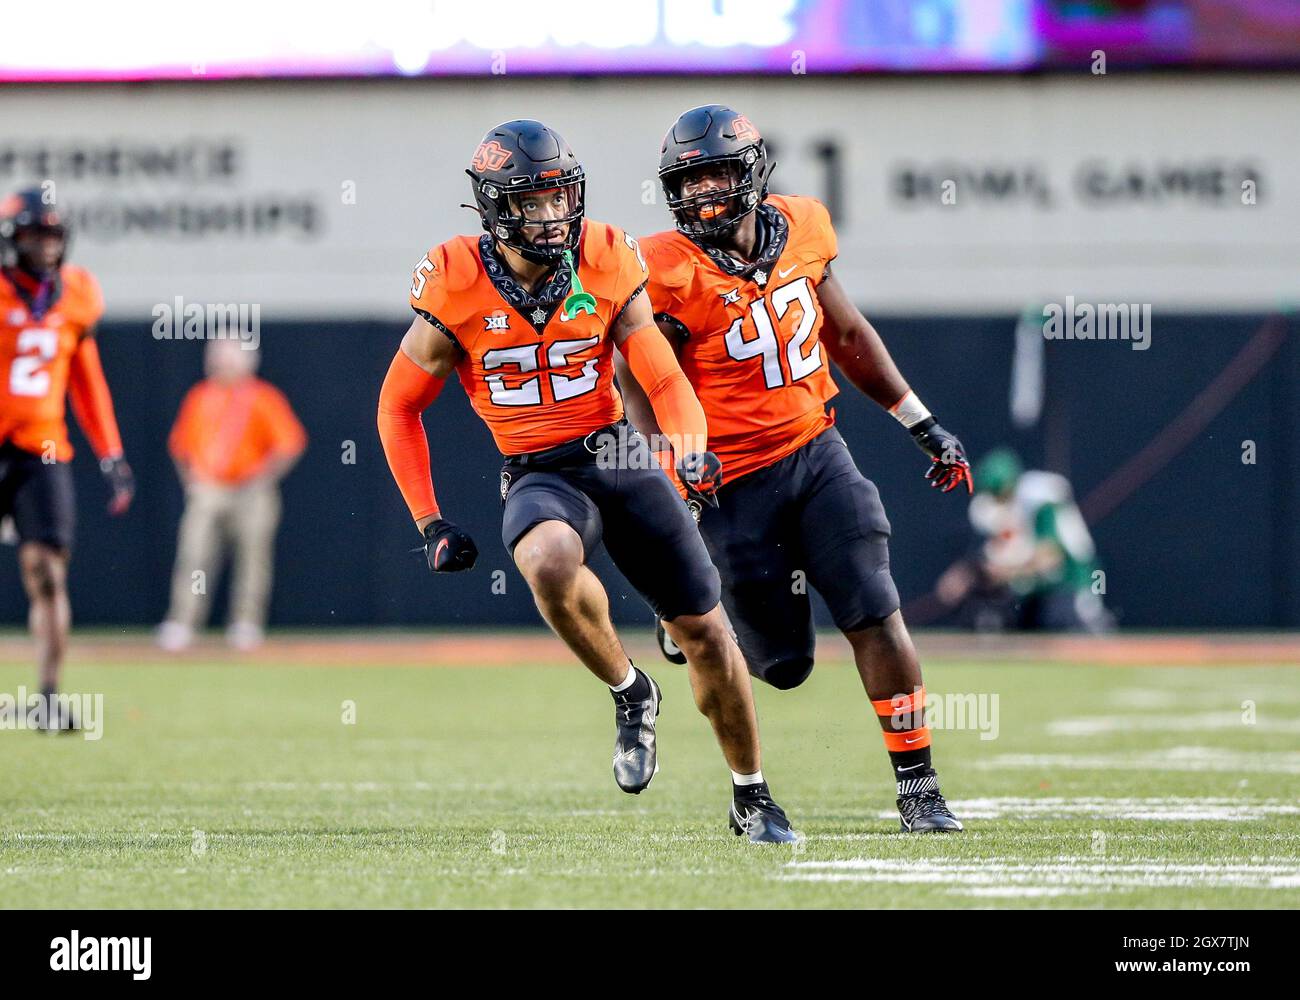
(906, 715)
(901, 704)
(910, 739)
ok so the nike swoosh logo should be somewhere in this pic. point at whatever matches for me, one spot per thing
(914, 766)
(917, 740)
(437, 553)
(782, 274)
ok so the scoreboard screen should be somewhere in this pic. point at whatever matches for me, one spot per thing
(58, 40)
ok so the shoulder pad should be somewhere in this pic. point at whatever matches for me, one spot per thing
(598, 239)
(82, 299)
(669, 257)
(458, 261)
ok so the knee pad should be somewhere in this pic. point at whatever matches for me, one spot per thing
(789, 673)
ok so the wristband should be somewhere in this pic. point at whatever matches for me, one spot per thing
(909, 411)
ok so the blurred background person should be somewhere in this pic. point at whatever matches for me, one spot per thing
(1034, 564)
(49, 356)
(234, 439)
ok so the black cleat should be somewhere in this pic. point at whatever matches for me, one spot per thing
(921, 808)
(636, 759)
(54, 716)
(761, 819)
(672, 652)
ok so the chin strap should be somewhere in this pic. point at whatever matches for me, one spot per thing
(578, 300)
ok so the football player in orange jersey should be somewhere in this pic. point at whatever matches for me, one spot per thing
(528, 315)
(743, 288)
(48, 312)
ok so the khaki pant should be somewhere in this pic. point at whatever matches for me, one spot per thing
(218, 518)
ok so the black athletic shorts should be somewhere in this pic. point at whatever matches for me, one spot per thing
(38, 495)
(611, 489)
(811, 519)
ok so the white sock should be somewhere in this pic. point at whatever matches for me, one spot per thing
(747, 779)
(628, 681)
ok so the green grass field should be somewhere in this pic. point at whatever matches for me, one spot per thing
(237, 784)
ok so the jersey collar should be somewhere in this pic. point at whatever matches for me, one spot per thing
(772, 230)
(536, 309)
(38, 296)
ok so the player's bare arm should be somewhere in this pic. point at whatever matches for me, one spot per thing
(430, 348)
(860, 353)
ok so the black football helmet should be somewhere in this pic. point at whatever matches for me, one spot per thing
(29, 210)
(714, 133)
(518, 157)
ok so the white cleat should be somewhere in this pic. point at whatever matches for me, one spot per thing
(174, 637)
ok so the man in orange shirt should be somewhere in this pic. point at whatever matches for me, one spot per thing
(743, 287)
(48, 354)
(528, 315)
(234, 439)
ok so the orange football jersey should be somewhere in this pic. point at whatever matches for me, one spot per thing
(36, 357)
(750, 346)
(536, 378)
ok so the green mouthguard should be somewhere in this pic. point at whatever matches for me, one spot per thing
(578, 300)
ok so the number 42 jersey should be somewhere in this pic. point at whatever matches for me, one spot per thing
(537, 377)
(748, 334)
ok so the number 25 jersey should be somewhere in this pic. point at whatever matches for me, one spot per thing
(535, 377)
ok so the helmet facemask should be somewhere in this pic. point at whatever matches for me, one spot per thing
(531, 218)
(32, 262)
(716, 212)
(26, 217)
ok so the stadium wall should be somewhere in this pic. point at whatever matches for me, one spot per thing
(968, 196)
(309, 202)
(1207, 541)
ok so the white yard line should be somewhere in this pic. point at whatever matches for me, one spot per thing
(1097, 725)
(1205, 698)
(1192, 758)
(1065, 874)
(1160, 809)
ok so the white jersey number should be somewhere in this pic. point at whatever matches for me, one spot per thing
(766, 344)
(526, 358)
(36, 348)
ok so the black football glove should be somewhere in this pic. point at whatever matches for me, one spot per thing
(949, 466)
(121, 482)
(701, 474)
(448, 548)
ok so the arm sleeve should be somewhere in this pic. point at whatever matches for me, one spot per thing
(678, 412)
(91, 401)
(408, 390)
